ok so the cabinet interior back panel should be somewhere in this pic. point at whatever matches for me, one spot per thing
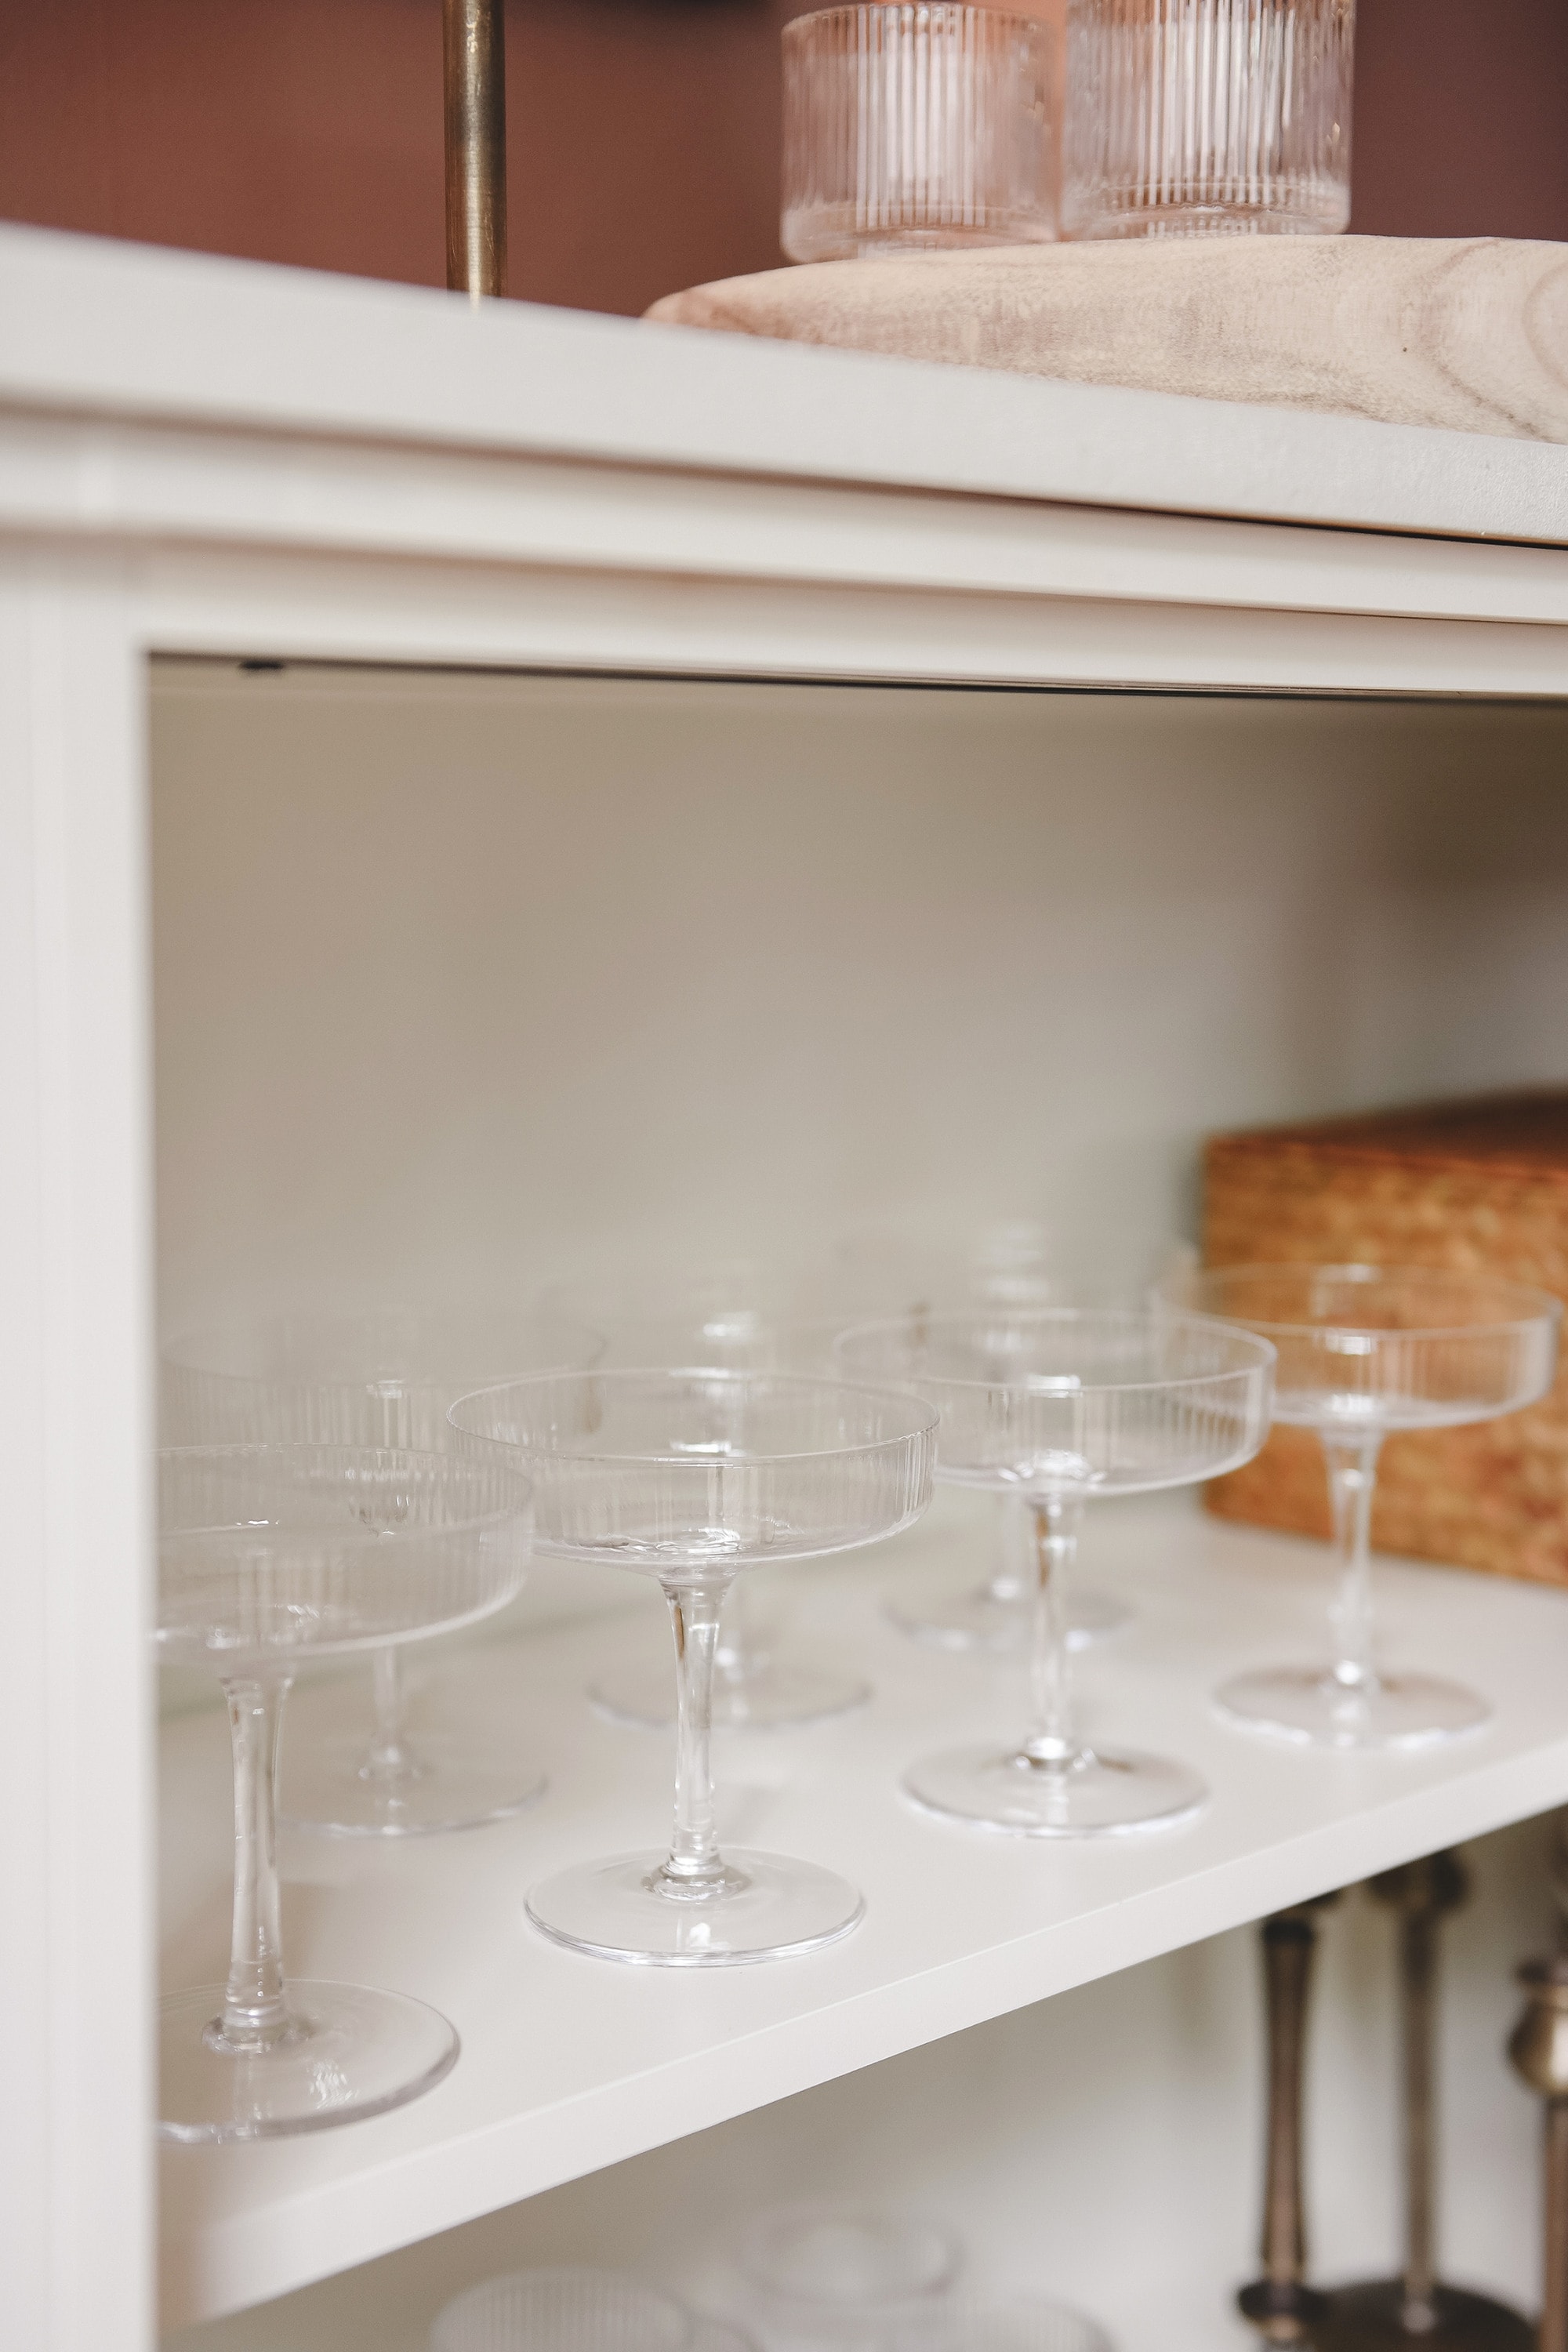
(463, 981)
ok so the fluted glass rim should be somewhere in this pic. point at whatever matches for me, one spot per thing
(642, 1304)
(968, 2316)
(924, 1417)
(194, 1349)
(1248, 1365)
(347, 1539)
(850, 11)
(472, 2300)
(1544, 1307)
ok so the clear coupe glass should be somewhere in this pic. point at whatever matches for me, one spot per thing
(1062, 1407)
(836, 2274)
(692, 1477)
(563, 2310)
(385, 1378)
(1021, 1266)
(270, 1555)
(1366, 1352)
(1025, 2324)
(737, 1314)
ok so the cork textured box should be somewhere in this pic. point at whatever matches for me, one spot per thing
(1481, 1184)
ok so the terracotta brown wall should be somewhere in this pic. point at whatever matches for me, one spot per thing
(1462, 118)
(643, 138)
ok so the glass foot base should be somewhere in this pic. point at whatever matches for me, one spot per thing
(1306, 1704)
(457, 1784)
(1100, 1793)
(758, 1697)
(1373, 2317)
(982, 1619)
(354, 2052)
(771, 1909)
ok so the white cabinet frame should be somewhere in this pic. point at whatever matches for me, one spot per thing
(202, 457)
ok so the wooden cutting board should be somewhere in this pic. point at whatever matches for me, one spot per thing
(1466, 332)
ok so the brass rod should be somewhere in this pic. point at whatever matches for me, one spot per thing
(1539, 2049)
(1288, 1946)
(1422, 1893)
(1280, 2303)
(1417, 2310)
(474, 57)
(1554, 2267)
(1418, 1938)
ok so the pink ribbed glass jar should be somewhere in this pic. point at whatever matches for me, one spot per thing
(915, 126)
(1187, 116)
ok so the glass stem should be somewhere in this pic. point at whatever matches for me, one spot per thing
(256, 2004)
(1050, 1742)
(693, 1857)
(735, 1651)
(1352, 1475)
(1015, 1578)
(389, 1758)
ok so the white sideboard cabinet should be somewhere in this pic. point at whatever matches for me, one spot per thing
(483, 790)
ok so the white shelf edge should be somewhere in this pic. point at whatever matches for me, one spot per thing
(87, 325)
(628, 2121)
(301, 2214)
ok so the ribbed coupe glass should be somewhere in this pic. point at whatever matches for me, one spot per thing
(1190, 117)
(1022, 1265)
(847, 2273)
(1025, 2324)
(917, 126)
(1063, 1407)
(737, 1314)
(692, 1478)
(563, 2310)
(381, 1377)
(1366, 1352)
(268, 1555)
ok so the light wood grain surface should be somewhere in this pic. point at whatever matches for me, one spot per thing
(1470, 333)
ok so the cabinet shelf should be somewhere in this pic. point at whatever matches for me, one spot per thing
(569, 2064)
